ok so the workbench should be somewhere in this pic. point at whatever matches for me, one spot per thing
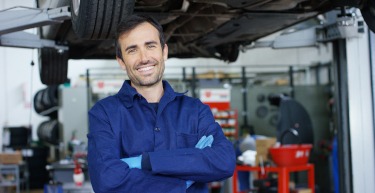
(283, 175)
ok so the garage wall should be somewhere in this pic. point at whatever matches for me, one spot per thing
(298, 57)
(15, 82)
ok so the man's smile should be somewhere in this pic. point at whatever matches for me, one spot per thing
(146, 68)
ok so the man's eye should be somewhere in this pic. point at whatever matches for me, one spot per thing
(151, 46)
(131, 51)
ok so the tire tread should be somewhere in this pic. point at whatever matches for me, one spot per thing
(98, 19)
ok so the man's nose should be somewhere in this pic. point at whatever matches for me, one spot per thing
(144, 56)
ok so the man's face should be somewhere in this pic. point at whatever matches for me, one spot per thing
(143, 56)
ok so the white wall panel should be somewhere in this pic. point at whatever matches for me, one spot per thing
(15, 82)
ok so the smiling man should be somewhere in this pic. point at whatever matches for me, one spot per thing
(148, 138)
(144, 56)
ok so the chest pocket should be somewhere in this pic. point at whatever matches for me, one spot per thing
(184, 140)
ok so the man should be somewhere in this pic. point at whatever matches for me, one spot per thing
(148, 138)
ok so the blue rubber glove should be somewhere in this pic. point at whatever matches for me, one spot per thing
(133, 162)
(189, 183)
(205, 142)
(202, 143)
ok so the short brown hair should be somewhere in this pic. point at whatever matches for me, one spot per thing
(132, 22)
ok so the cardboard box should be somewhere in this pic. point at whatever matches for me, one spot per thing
(302, 190)
(11, 158)
(262, 146)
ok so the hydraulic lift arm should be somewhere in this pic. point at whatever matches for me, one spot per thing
(16, 19)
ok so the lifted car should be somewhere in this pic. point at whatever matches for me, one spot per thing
(193, 28)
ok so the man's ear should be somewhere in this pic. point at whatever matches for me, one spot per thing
(165, 52)
(121, 63)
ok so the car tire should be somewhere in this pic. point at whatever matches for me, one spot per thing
(48, 131)
(368, 13)
(45, 100)
(98, 19)
(53, 66)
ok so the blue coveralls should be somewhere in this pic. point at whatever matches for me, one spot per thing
(125, 125)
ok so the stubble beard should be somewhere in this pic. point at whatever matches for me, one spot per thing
(148, 82)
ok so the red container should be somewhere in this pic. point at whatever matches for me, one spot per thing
(291, 155)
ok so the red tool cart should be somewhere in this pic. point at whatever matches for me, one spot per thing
(283, 175)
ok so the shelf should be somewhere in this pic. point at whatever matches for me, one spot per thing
(8, 183)
(228, 126)
(228, 120)
(229, 134)
(225, 117)
(9, 176)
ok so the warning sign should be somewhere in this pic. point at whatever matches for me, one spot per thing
(216, 98)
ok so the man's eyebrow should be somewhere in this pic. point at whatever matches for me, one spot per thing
(146, 43)
(151, 42)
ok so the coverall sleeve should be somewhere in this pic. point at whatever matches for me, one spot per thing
(200, 165)
(108, 174)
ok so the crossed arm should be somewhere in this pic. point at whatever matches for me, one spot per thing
(136, 162)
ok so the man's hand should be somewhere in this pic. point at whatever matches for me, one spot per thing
(189, 183)
(134, 162)
(202, 143)
(205, 142)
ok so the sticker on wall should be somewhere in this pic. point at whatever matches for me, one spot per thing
(216, 98)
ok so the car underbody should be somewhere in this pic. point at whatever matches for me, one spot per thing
(193, 28)
(202, 28)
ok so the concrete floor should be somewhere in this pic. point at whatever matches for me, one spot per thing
(13, 190)
(36, 191)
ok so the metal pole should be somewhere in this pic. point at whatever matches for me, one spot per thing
(341, 103)
(193, 81)
(88, 92)
(317, 74)
(372, 65)
(183, 74)
(245, 125)
(244, 96)
(330, 81)
(291, 81)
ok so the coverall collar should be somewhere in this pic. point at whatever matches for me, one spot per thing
(127, 93)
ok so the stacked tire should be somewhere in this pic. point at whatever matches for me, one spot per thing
(48, 131)
(46, 104)
(46, 101)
